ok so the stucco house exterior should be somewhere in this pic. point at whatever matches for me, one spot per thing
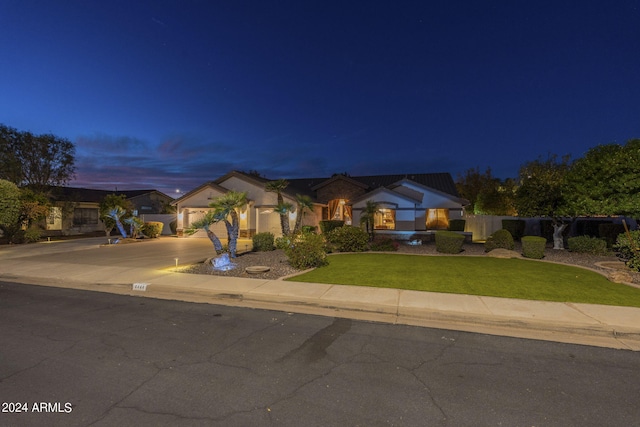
(409, 204)
(76, 210)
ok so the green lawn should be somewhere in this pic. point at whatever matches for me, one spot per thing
(508, 278)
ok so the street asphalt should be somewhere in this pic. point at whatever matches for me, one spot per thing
(148, 269)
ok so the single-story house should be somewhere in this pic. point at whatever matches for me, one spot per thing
(408, 204)
(76, 210)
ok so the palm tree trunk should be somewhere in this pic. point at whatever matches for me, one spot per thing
(217, 244)
(121, 228)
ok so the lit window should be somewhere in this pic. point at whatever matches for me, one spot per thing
(385, 219)
(437, 219)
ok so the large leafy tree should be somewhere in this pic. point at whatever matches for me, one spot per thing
(29, 205)
(226, 207)
(37, 161)
(606, 181)
(540, 192)
(487, 195)
(282, 208)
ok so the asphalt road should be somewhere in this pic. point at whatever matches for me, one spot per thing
(77, 358)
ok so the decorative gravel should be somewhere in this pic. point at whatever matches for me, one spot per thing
(279, 266)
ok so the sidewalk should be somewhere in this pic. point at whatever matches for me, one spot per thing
(119, 269)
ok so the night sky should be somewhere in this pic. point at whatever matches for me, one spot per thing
(171, 94)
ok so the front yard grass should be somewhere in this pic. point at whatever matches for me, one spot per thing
(507, 278)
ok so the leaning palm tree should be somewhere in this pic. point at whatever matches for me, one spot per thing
(205, 224)
(304, 204)
(368, 217)
(116, 214)
(226, 207)
(278, 187)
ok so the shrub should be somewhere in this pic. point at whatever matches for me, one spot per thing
(449, 242)
(628, 249)
(328, 225)
(499, 239)
(263, 242)
(307, 250)
(348, 239)
(152, 229)
(384, 244)
(587, 245)
(457, 224)
(610, 232)
(309, 229)
(533, 247)
(283, 242)
(32, 235)
(515, 227)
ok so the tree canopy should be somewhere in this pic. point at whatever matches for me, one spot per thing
(606, 181)
(541, 183)
(487, 195)
(36, 161)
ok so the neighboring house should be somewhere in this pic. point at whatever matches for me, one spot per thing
(76, 210)
(408, 204)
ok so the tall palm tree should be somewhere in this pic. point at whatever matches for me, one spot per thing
(205, 224)
(368, 217)
(226, 207)
(282, 208)
(304, 204)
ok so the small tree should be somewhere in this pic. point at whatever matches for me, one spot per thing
(117, 215)
(108, 204)
(304, 203)
(9, 203)
(282, 208)
(367, 218)
(205, 223)
(541, 193)
(225, 207)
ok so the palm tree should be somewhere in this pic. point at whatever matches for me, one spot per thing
(135, 225)
(368, 216)
(226, 207)
(282, 208)
(116, 214)
(304, 203)
(205, 224)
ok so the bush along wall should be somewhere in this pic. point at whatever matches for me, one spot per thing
(499, 239)
(152, 228)
(587, 245)
(515, 227)
(533, 247)
(263, 242)
(449, 242)
(457, 224)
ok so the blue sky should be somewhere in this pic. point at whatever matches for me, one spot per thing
(170, 94)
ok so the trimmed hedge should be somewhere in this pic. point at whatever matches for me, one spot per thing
(499, 239)
(587, 245)
(515, 227)
(263, 242)
(533, 247)
(449, 242)
(152, 229)
(457, 224)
